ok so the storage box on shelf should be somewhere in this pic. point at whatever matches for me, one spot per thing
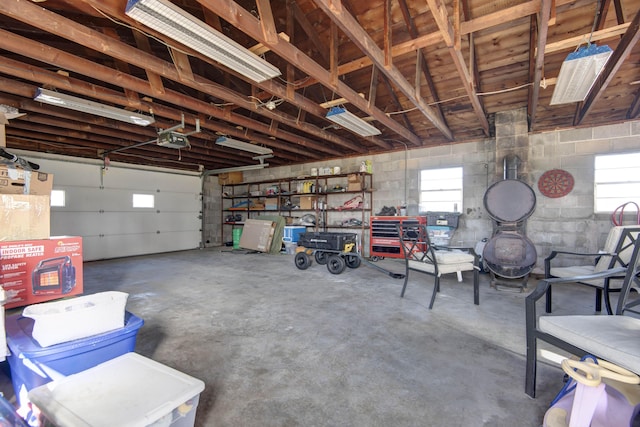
(336, 201)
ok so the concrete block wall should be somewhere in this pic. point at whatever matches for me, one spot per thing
(566, 223)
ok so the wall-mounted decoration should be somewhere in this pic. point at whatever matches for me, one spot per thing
(555, 183)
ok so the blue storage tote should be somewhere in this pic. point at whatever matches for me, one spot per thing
(32, 365)
(292, 233)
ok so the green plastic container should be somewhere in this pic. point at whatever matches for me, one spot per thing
(237, 233)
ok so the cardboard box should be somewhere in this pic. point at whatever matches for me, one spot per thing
(33, 271)
(257, 235)
(19, 181)
(354, 186)
(308, 202)
(271, 204)
(230, 178)
(24, 217)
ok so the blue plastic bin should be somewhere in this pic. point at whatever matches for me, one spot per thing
(292, 233)
(32, 366)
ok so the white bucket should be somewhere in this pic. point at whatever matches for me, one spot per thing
(290, 247)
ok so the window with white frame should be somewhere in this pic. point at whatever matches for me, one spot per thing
(617, 181)
(143, 200)
(441, 190)
(58, 198)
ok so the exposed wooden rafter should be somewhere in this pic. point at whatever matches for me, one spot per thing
(354, 31)
(620, 54)
(439, 11)
(244, 20)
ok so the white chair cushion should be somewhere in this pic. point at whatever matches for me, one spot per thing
(453, 257)
(442, 268)
(613, 338)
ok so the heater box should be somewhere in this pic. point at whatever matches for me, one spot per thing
(173, 140)
(33, 271)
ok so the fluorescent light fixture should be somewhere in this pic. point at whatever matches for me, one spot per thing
(239, 168)
(578, 73)
(90, 107)
(352, 122)
(168, 19)
(244, 146)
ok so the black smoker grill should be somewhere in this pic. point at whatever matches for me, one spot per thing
(509, 255)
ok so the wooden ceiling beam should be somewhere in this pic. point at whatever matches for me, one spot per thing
(572, 42)
(95, 128)
(622, 52)
(48, 21)
(269, 32)
(309, 30)
(542, 26)
(396, 102)
(413, 32)
(271, 86)
(142, 42)
(242, 19)
(27, 72)
(350, 26)
(439, 11)
(24, 71)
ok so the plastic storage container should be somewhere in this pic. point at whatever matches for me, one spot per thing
(74, 318)
(128, 391)
(8, 415)
(292, 233)
(32, 365)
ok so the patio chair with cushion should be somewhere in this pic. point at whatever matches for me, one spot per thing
(613, 338)
(421, 256)
(616, 253)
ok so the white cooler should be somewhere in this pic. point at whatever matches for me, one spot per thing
(128, 391)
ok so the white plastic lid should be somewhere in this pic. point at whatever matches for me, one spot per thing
(128, 391)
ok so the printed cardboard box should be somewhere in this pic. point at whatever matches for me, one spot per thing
(34, 271)
(19, 181)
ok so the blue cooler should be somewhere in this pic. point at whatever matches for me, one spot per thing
(292, 233)
(32, 365)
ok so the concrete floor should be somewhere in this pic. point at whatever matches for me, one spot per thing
(279, 346)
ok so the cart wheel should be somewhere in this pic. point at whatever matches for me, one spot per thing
(321, 257)
(336, 264)
(352, 261)
(374, 258)
(302, 260)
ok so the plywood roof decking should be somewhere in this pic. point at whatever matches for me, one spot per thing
(471, 65)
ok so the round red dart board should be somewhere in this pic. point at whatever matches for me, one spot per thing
(555, 183)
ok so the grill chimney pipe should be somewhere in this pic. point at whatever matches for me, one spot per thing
(510, 165)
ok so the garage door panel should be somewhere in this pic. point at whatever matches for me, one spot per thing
(99, 208)
(114, 246)
(177, 201)
(132, 179)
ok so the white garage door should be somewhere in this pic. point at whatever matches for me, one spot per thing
(99, 207)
